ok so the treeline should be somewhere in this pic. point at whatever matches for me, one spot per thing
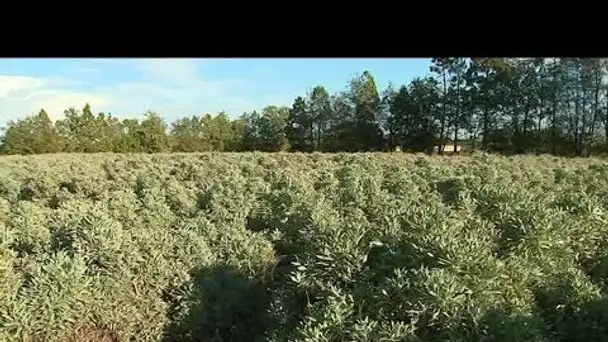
(500, 105)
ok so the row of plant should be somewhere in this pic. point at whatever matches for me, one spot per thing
(302, 247)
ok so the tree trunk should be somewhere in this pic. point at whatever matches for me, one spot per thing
(486, 127)
(457, 121)
(523, 141)
(313, 137)
(443, 118)
(553, 124)
(596, 104)
(583, 112)
(606, 121)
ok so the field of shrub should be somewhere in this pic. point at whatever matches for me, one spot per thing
(303, 248)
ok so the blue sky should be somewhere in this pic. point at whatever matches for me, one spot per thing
(180, 87)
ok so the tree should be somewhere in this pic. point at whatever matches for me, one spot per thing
(251, 131)
(483, 73)
(129, 141)
(319, 112)
(32, 135)
(187, 135)
(298, 126)
(236, 142)
(459, 117)
(363, 94)
(152, 134)
(341, 135)
(503, 105)
(440, 66)
(271, 127)
(412, 120)
(226, 133)
(81, 131)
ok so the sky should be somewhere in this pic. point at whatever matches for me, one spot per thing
(177, 88)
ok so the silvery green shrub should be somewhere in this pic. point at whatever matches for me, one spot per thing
(302, 247)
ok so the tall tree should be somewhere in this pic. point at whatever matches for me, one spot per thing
(298, 126)
(79, 130)
(341, 134)
(488, 74)
(236, 142)
(32, 135)
(457, 68)
(272, 126)
(152, 134)
(129, 141)
(251, 131)
(319, 109)
(412, 121)
(186, 135)
(365, 98)
(440, 66)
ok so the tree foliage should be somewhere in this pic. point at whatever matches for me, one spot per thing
(499, 105)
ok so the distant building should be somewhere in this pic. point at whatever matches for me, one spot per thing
(449, 147)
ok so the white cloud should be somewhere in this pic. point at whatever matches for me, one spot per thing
(25, 95)
(177, 72)
(15, 85)
(171, 87)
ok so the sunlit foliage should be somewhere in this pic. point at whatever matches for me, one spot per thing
(302, 247)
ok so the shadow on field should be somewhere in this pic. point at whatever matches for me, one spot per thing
(571, 320)
(586, 322)
(223, 306)
(499, 326)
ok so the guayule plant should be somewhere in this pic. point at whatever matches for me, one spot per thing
(302, 247)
